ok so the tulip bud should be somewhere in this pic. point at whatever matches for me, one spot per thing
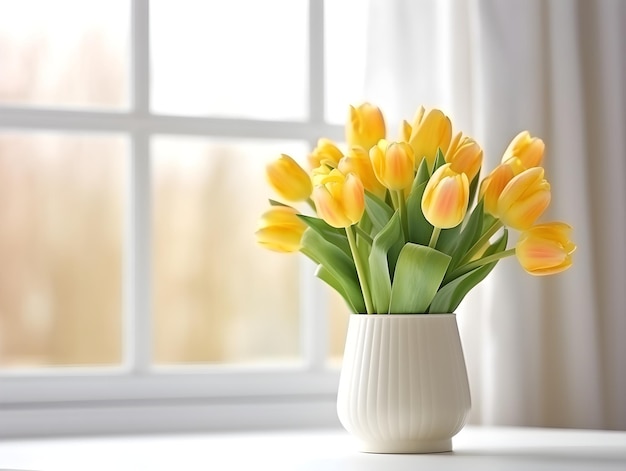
(466, 157)
(339, 199)
(393, 164)
(493, 184)
(526, 148)
(326, 153)
(545, 249)
(288, 179)
(524, 199)
(280, 229)
(358, 162)
(430, 132)
(365, 126)
(446, 197)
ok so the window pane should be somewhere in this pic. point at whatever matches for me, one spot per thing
(218, 296)
(237, 58)
(64, 53)
(338, 315)
(60, 247)
(345, 27)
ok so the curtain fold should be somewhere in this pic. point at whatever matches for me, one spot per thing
(540, 351)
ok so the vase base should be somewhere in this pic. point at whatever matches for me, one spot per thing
(407, 446)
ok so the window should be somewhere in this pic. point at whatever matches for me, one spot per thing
(133, 135)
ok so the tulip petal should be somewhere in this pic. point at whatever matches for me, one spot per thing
(545, 249)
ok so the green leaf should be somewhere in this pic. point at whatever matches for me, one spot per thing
(450, 296)
(323, 274)
(499, 245)
(488, 221)
(378, 211)
(472, 190)
(469, 235)
(448, 239)
(439, 160)
(336, 262)
(382, 263)
(366, 223)
(277, 203)
(418, 274)
(332, 234)
(422, 174)
(419, 228)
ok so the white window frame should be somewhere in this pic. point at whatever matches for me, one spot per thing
(137, 396)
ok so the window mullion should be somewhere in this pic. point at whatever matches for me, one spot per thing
(138, 322)
(314, 298)
(140, 57)
(317, 92)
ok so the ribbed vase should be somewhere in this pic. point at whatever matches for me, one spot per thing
(403, 386)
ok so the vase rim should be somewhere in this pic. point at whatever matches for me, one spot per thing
(431, 314)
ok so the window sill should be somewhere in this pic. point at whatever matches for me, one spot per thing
(476, 448)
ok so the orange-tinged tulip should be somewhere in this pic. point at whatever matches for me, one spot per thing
(526, 148)
(545, 249)
(430, 131)
(393, 164)
(524, 199)
(466, 157)
(455, 142)
(280, 229)
(445, 198)
(365, 126)
(288, 179)
(326, 153)
(357, 161)
(493, 184)
(339, 199)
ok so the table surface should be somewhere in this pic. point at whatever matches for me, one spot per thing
(475, 448)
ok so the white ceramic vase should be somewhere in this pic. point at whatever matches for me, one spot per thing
(403, 386)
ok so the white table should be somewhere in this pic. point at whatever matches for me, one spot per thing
(476, 448)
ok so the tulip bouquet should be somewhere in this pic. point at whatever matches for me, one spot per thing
(408, 226)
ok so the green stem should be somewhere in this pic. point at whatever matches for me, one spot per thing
(360, 270)
(462, 270)
(403, 213)
(311, 203)
(480, 243)
(434, 237)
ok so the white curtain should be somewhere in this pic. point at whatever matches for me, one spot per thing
(545, 351)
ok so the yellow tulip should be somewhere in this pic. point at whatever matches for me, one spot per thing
(326, 153)
(357, 161)
(493, 184)
(430, 131)
(466, 157)
(339, 199)
(446, 197)
(526, 148)
(288, 179)
(524, 199)
(405, 131)
(545, 249)
(280, 229)
(365, 126)
(393, 164)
